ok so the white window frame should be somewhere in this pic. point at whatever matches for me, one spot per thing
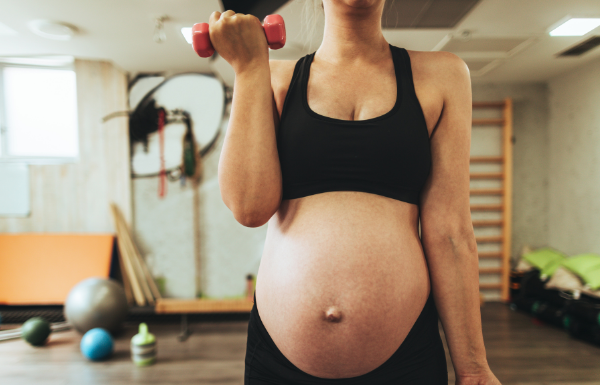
(49, 62)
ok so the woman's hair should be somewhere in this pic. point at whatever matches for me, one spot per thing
(311, 15)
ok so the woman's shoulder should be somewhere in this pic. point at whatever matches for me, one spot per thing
(282, 72)
(441, 71)
(441, 67)
(282, 69)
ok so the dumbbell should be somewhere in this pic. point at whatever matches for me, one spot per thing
(273, 26)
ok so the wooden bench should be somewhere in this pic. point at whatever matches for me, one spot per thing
(197, 306)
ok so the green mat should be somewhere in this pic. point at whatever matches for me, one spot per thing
(546, 259)
(586, 266)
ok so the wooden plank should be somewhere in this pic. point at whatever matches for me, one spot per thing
(490, 270)
(487, 175)
(144, 272)
(507, 209)
(125, 236)
(490, 255)
(149, 278)
(487, 192)
(490, 286)
(138, 295)
(186, 306)
(126, 283)
(488, 122)
(487, 159)
(488, 104)
(483, 223)
(486, 207)
(493, 239)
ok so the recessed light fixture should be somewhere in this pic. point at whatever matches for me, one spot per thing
(52, 29)
(576, 27)
(187, 33)
(6, 30)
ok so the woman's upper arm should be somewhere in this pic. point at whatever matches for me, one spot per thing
(445, 209)
(281, 76)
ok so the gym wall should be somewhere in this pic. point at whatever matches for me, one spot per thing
(164, 230)
(530, 165)
(574, 160)
(229, 251)
(75, 197)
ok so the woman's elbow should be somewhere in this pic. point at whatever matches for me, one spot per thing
(251, 219)
(251, 216)
(455, 239)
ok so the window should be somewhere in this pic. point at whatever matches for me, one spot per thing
(38, 112)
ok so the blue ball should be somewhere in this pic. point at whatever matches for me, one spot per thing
(97, 344)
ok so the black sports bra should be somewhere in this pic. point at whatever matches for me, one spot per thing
(388, 155)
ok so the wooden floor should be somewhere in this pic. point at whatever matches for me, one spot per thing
(519, 352)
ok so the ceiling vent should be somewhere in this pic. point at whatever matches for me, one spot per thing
(425, 13)
(498, 47)
(482, 54)
(582, 47)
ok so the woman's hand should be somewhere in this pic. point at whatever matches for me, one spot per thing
(484, 378)
(239, 39)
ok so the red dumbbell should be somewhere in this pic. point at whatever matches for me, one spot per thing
(274, 31)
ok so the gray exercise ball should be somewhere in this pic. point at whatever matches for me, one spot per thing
(96, 303)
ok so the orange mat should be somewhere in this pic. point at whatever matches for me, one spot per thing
(41, 269)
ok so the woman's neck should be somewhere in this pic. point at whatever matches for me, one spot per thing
(352, 34)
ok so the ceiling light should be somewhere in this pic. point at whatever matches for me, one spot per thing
(576, 27)
(52, 29)
(187, 33)
(6, 30)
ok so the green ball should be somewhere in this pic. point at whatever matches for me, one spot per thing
(35, 331)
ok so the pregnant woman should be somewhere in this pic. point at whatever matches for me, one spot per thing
(344, 152)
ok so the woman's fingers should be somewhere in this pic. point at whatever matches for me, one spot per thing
(216, 15)
(227, 13)
(239, 38)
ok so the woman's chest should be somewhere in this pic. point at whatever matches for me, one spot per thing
(352, 94)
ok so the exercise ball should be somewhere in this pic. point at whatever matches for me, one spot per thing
(96, 303)
(96, 344)
(35, 331)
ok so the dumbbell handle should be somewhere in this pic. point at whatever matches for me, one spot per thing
(273, 26)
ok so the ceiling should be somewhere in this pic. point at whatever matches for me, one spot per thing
(502, 40)
(425, 13)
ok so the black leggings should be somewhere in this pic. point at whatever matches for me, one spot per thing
(420, 359)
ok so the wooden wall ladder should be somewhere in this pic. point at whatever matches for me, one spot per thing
(503, 222)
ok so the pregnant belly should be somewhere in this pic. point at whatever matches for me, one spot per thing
(341, 284)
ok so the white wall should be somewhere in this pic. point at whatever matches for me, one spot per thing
(574, 160)
(75, 197)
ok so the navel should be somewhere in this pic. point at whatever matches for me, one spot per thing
(333, 314)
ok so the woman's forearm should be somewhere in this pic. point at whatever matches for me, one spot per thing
(249, 171)
(454, 270)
